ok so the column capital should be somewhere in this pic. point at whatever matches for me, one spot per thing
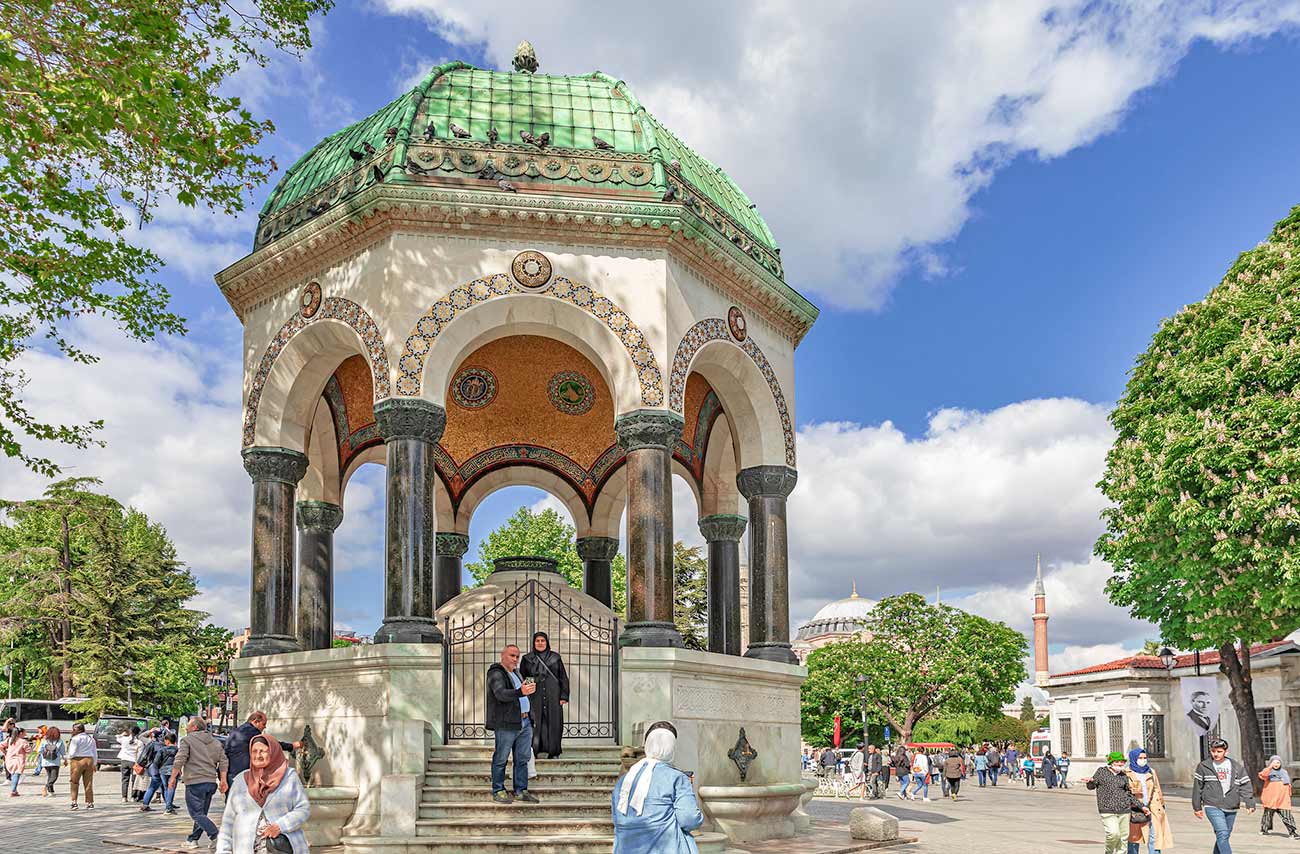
(723, 526)
(648, 428)
(281, 465)
(596, 548)
(775, 481)
(319, 516)
(450, 544)
(410, 418)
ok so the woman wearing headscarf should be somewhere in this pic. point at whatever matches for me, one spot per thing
(1144, 783)
(1276, 797)
(653, 804)
(266, 801)
(546, 708)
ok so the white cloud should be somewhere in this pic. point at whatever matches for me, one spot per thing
(964, 507)
(864, 136)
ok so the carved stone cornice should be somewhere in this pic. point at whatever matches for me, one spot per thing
(768, 481)
(410, 418)
(384, 209)
(319, 516)
(723, 526)
(648, 428)
(448, 544)
(280, 465)
(596, 548)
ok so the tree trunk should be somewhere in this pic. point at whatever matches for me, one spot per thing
(1242, 696)
(65, 625)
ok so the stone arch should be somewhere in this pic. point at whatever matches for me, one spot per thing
(323, 481)
(538, 478)
(718, 492)
(737, 371)
(640, 371)
(292, 371)
(611, 502)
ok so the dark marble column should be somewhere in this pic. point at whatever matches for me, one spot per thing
(446, 582)
(766, 488)
(597, 555)
(723, 532)
(275, 473)
(647, 435)
(411, 428)
(316, 523)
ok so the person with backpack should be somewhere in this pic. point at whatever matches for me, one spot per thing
(953, 769)
(995, 765)
(52, 755)
(1220, 785)
(164, 758)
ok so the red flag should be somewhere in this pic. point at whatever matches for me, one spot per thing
(837, 732)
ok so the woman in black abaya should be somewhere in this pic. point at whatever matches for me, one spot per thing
(546, 705)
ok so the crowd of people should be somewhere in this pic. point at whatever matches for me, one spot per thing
(866, 770)
(266, 805)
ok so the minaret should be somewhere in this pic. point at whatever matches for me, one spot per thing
(1040, 627)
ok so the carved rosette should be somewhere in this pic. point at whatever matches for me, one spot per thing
(280, 465)
(723, 526)
(319, 516)
(648, 428)
(597, 548)
(777, 481)
(451, 545)
(410, 418)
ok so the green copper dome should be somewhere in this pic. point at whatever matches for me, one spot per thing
(481, 129)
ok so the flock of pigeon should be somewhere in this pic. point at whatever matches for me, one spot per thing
(488, 172)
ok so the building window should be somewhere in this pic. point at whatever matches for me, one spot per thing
(1267, 730)
(1067, 737)
(1293, 715)
(1153, 736)
(1115, 729)
(1089, 736)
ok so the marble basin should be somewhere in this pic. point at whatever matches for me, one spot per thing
(753, 813)
(802, 820)
(331, 807)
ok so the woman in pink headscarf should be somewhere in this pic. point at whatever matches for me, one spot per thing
(266, 801)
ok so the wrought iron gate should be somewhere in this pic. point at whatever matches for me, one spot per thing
(588, 643)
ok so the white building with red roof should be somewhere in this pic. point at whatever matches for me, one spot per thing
(1138, 701)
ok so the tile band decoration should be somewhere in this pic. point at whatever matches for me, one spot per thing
(331, 308)
(420, 342)
(717, 329)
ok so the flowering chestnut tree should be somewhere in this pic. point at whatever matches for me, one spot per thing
(1204, 475)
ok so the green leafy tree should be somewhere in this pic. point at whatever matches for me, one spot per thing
(919, 660)
(1151, 647)
(1027, 713)
(691, 595)
(78, 561)
(961, 730)
(543, 534)
(108, 106)
(1204, 475)
(1000, 728)
(832, 689)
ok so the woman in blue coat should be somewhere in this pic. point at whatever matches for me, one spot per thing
(653, 804)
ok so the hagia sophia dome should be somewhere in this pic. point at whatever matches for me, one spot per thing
(836, 621)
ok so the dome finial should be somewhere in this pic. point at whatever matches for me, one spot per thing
(525, 58)
(854, 594)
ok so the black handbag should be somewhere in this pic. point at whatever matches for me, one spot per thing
(280, 844)
(1136, 816)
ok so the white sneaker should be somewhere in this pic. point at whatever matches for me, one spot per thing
(902, 797)
(191, 844)
(927, 800)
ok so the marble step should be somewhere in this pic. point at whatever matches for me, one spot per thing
(510, 824)
(544, 766)
(577, 793)
(571, 751)
(545, 778)
(488, 810)
(483, 844)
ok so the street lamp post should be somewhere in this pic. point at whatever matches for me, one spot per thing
(861, 679)
(130, 706)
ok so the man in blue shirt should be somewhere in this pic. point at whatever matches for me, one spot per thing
(507, 717)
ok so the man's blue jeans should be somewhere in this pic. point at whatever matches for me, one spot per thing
(993, 775)
(512, 741)
(1222, 822)
(921, 783)
(198, 798)
(158, 783)
(983, 775)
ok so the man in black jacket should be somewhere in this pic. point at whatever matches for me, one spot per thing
(507, 717)
(237, 744)
(1220, 786)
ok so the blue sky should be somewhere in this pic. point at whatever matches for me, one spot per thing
(985, 282)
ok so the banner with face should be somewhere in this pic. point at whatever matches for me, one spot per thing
(1200, 702)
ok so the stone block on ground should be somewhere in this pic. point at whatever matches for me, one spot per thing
(872, 824)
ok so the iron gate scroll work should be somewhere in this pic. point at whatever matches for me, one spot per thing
(587, 643)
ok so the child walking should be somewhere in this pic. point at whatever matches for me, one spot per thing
(1276, 797)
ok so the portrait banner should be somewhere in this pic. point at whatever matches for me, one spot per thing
(1200, 702)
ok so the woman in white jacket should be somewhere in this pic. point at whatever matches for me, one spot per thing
(266, 801)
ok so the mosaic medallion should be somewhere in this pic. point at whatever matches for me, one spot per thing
(736, 322)
(474, 388)
(571, 393)
(531, 269)
(309, 302)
